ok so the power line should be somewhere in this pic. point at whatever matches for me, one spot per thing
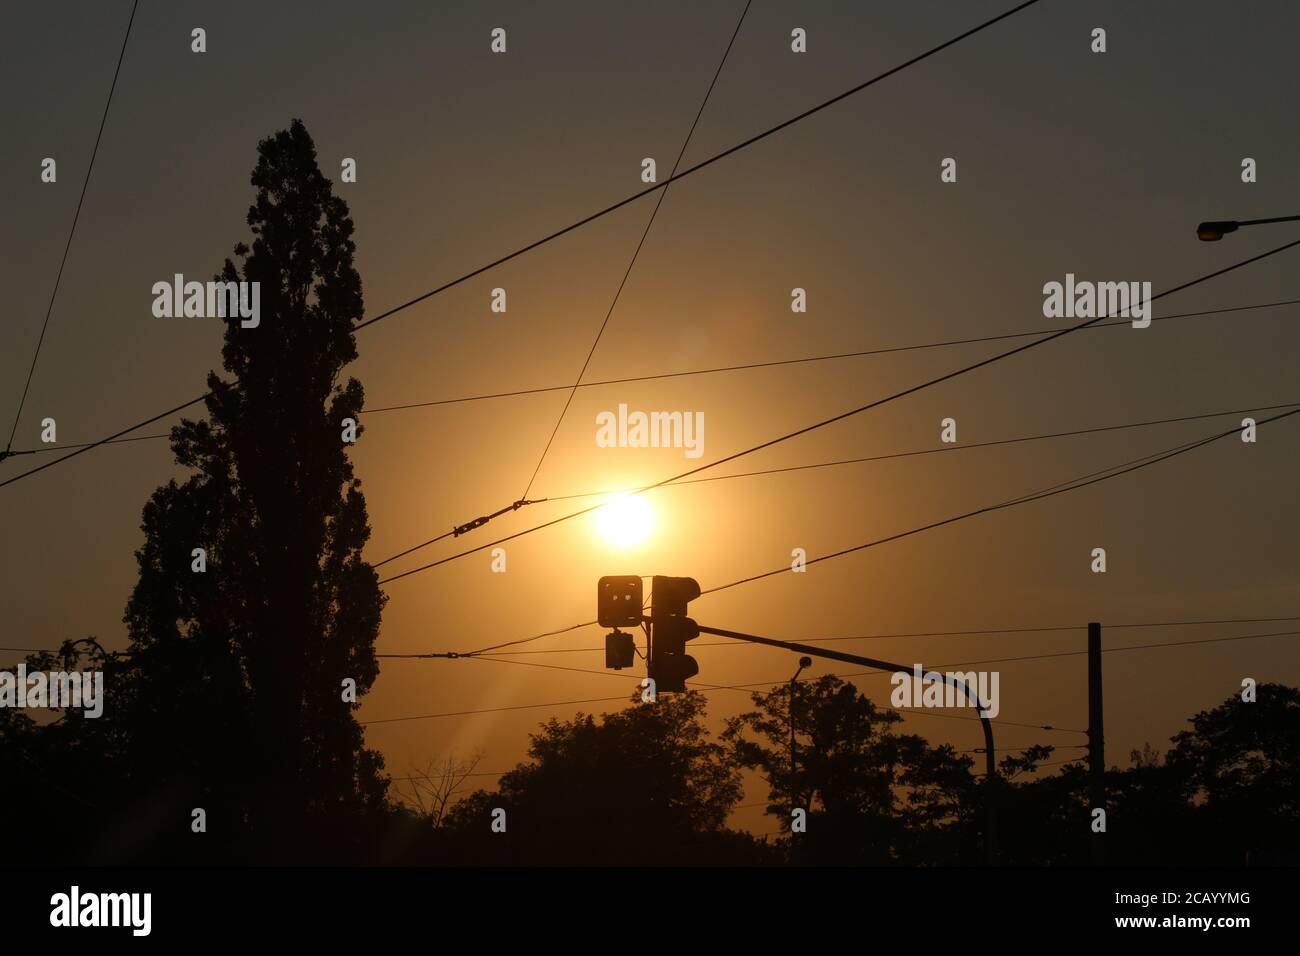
(1060, 488)
(843, 461)
(710, 161)
(848, 461)
(983, 632)
(743, 806)
(76, 216)
(935, 667)
(701, 371)
(536, 637)
(1105, 650)
(659, 200)
(1057, 763)
(1114, 472)
(477, 773)
(838, 462)
(573, 670)
(491, 710)
(869, 673)
(581, 222)
(705, 689)
(103, 441)
(942, 449)
(464, 528)
(524, 500)
(85, 444)
(835, 356)
(1039, 766)
(871, 458)
(1047, 337)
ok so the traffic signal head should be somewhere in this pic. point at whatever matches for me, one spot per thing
(619, 600)
(670, 634)
(669, 596)
(670, 629)
(670, 671)
(620, 650)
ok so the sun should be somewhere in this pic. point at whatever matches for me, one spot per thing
(625, 521)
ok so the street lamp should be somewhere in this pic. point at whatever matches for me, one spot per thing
(1214, 229)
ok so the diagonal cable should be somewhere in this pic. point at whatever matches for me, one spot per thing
(921, 386)
(744, 144)
(659, 201)
(71, 232)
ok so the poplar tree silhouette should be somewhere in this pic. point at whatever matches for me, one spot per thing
(236, 673)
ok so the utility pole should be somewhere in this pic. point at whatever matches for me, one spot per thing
(1096, 740)
(794, 796)
(794, 684)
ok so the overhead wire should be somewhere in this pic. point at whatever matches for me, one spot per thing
(929, 383)
(76, 217)
(703, 164)
(1113, 471)
(59, 446)
(637, 251)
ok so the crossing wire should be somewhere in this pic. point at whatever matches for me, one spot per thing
(867, 673)
(699, 689)
(850, 461)
(744, 144)
(76, 216)
(929, 383)
(982, 632)
(705, 371)
(936, 667)
(832, 357)
(1060, 488)
(1094, 478)
(945, 448)
(659, 200)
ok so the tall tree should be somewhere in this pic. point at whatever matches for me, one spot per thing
(251, 654)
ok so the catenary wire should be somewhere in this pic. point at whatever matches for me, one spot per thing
(654, 212)
(1001, 356)
(694, 372)
(576, 225)
(76, 217)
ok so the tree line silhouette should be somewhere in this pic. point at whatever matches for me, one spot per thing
(231, 696)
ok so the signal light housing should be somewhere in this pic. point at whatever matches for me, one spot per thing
(619, 600)
(620, 650)
(670, 629)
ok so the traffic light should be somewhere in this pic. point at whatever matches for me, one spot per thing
(620, 650)
(618, 600)
(670, 629)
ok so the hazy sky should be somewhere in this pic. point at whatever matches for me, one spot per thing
(1068, 161)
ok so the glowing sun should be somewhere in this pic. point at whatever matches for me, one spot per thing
(625, 521)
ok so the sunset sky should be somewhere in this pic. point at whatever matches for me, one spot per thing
(1068, 161)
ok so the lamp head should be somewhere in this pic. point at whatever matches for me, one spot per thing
(1213, 231)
